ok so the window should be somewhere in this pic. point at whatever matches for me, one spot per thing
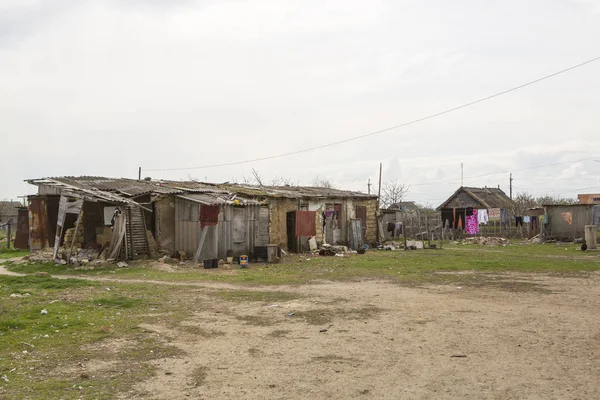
(597, 199)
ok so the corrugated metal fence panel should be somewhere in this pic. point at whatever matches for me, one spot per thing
(220, 238)
(38, 224)
(560, 229)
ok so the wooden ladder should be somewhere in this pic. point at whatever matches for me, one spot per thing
(136, 233)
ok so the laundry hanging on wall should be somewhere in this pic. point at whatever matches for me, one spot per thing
(518, 220)
(472, 224)
(482, 217)
(504, 215)
(494, 214)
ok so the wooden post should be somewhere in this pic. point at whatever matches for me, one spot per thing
(8, 238)
(427, 230)
(75, 234)
(404, 231)
(200, 244)
(379, 191)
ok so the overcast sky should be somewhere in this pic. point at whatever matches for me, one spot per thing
(102, 87)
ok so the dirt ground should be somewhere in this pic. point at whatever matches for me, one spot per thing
(528, 337)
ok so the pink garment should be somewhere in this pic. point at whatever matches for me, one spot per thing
(472, 224)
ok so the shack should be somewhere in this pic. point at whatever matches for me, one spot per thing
(567, 222)
(9, 213)
(341, 217)
(498, 207)
(193, 219)
(78, 216)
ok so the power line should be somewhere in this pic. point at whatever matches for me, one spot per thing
(386, 129)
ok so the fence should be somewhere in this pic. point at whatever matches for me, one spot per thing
(428, 226)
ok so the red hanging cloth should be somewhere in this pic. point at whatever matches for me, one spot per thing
(209, 215)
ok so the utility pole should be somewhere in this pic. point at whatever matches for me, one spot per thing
(462, 174)
(511, 179)
(379, 194)
(369, 186)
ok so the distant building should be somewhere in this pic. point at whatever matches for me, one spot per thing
(8, 213)
(588, 198)
(405, 206)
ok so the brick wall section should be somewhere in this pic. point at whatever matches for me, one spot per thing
(165, 223)
(371, 205)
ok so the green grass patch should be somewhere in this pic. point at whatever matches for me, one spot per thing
(407, 267)
(12, 253)
(44, 354)
(116, 302)
(19, 284)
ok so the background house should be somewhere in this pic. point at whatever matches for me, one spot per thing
(466, 199)
(589, 198)
(567, 222)
(9, 212)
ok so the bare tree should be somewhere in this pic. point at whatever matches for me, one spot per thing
(525, 201)
(392, 192)
(282, 181)
(322, 182)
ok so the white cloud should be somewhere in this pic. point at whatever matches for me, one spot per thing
(102, 87)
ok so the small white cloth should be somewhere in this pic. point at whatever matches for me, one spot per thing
(482, 217)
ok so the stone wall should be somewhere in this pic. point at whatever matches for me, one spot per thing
(278, 209)
(371, 205)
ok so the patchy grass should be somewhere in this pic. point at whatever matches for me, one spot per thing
(279, 333)
(116, 302)
(198, 376)
(258, 296)
(326, 316)
(12, 253)
(46, 355)
(409, 267)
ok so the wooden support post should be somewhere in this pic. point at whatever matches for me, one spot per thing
(8, 239)
(75, 234)
(200, 244)
(404, 231)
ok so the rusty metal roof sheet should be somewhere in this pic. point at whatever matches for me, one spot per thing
(216, 198)
(134, 188)
(294, 191)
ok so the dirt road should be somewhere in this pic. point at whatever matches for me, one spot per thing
(527, 337)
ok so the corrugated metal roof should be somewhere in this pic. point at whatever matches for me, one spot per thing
(133, 188)
(294, 191)
(216, 198)
(83, 190)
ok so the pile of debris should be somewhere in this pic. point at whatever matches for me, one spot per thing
(487, 241)
(329, 250)
(536, 239)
